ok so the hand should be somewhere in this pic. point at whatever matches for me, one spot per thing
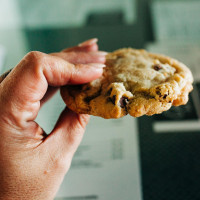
(32, 163)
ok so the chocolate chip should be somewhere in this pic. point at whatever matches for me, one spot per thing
(77, 87)
(157, 67)
(112, 99)
(123, 102)
(165, 96)
(89, 98)
(109, 92)
(158, 92)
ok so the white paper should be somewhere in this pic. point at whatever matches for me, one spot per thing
(176, 20)
(106, 165)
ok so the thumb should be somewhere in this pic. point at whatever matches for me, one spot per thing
(68, 132)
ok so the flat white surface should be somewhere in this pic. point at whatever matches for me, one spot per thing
(106, 164)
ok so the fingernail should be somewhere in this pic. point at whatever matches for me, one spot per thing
(88, 42)
(97, 65)
(100, 53)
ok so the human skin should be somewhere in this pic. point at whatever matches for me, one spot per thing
(32, 163)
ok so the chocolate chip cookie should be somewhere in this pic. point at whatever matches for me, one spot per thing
(134, 82)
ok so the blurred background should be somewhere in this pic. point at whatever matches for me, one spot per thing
(150, 158)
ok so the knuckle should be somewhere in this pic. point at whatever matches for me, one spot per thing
(34, 55)
(35, 58)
